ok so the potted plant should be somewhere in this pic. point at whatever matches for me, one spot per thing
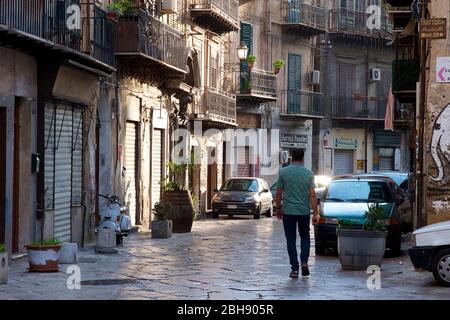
(162, 226)
(251, 61)
(43, 256)
(3, 264)
(182, 213)
(360, 248)
(118, 8)
(278, 64)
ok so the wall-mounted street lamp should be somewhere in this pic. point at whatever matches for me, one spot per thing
(242, 52)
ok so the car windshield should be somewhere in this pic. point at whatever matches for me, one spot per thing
(359, 191)
(240, 185)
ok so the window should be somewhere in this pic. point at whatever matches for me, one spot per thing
(359, 191)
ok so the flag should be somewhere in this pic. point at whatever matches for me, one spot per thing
(389, 117)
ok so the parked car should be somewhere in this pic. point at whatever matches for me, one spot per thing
(348, 198)
(243, 196)
(431, 251)
(403, 181)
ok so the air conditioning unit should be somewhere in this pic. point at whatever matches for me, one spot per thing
(284, 157)
(375, 74)
(314, 77)
(169, 6)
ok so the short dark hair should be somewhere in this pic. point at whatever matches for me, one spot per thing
(298, 154)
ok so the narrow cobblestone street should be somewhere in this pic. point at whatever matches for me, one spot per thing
(225, 259)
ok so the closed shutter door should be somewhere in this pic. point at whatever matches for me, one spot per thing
(131, 168)
(49, 156)
(246, 38)
(156, 166)
(343, 162)
(387, 163)
(63, 173)
(243, 162)
(294, 83)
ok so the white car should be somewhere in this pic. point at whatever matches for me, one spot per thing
(431, 251)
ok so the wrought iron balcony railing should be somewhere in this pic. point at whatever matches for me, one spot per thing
(260, 84)
(299, 13)
(143, 34)
(304, 104)
(219, 16)
(356, 22)
(54, 21)
(373, 108)
(216, 105)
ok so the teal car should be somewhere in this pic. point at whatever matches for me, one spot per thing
(348, 199)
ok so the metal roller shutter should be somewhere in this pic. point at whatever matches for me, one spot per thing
(131, 168)
(49, 155)
(63, 173)
(156, 166)
(343, 162)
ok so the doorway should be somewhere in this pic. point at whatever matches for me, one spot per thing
(212, 177)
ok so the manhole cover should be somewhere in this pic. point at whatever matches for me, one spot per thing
(108, 282)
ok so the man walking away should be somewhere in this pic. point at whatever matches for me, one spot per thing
(296, 187)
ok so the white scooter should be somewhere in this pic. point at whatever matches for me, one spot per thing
(114, 216)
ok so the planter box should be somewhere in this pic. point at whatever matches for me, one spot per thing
(359, 249)
(182, 214)
(162, 229)
(43, 258)
(3, 268)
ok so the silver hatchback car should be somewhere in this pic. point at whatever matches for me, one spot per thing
(243, 196)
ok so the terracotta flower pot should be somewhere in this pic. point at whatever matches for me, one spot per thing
(277, 70)
(43, 258)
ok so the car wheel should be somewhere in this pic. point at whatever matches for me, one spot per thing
(441, 267)
(257, 215)
(269, 213)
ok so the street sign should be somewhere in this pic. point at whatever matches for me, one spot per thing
(443, 70)
(433, 28)
(294, 141)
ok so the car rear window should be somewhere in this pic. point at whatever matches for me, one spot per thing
(359, 191)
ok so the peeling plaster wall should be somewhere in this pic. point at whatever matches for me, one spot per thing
(437, 128)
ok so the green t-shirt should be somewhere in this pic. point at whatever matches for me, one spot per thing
(296, 180)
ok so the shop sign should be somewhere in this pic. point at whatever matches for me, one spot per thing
(345, 143)
(294, 141)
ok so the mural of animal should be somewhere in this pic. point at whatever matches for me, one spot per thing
(440, 144)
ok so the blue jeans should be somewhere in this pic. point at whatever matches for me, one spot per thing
(290, 230)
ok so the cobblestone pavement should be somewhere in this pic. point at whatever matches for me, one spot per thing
(225, 259)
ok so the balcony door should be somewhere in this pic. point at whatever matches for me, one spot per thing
(348, 14)
(294, 83)
(294, 15)
(246, 38)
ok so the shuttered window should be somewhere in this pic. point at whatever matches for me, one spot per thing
(131, 165)
(246, 37)
(214, 69)
(294, 83)
(157, 165)
(343, 162)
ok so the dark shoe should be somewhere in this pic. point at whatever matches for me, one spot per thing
(305, 271)
(294, 274)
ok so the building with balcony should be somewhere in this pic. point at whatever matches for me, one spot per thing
(303, 17)
(356, 56)
(54, 54)
(217, 16)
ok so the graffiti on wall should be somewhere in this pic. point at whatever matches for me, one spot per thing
(440, 145)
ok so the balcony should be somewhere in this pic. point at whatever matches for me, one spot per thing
(260, 87)
(152, 50)
(354, 23)
(404, 115)
(351, 108)
(218, 16)
(42, 27)
(216, 108)
(303, 18)
(303, 104)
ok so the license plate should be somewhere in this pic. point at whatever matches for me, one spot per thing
(232, 206)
